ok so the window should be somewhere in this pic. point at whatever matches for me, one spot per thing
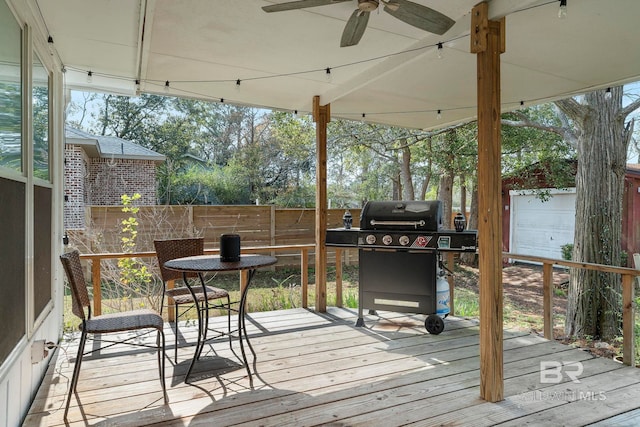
(12, 192)
(40, 99)
(10, 91)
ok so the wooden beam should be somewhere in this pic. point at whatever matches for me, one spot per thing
(322, 116)
(487, 43)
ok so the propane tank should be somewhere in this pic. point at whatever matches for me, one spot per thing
(442, 295)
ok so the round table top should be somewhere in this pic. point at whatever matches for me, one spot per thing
(203, 263)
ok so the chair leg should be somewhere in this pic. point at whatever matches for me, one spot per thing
(161, 352)
(175, 321)
(229, 321)
(76, 372)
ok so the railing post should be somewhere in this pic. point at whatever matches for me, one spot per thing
(171, 309)
(338, 277)
(628, 320)
(547, 299)
(97, 291)
(304, 276)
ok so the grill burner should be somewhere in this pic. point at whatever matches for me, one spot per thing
(399, 246)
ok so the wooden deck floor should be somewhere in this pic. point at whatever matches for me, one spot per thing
(319, 369)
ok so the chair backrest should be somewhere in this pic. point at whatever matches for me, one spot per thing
(79, 294)
(176, 248)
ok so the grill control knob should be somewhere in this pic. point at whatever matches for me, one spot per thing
(387, 240)
(403, 240)
(371, 239)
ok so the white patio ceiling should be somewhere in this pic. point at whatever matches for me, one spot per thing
(203, 46)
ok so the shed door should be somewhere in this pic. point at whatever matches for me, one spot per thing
(541, 228)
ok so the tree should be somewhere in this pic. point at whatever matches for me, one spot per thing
(602, 134)
(597, 126)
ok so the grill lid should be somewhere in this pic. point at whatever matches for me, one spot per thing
(425, 215)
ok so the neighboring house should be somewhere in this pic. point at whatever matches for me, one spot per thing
(100, 169)
(531, 226)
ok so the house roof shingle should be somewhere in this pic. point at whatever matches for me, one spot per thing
(110, 146)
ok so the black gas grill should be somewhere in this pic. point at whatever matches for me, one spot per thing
(399, 246)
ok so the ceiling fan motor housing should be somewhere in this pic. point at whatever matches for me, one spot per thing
(368, 5)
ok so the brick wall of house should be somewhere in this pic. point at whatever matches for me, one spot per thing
(75, 169)
(109, 179)
(96, 181)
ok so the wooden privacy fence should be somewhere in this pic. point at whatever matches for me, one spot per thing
(258, 226)
(628, 298)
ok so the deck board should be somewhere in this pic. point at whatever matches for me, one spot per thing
(319, 369)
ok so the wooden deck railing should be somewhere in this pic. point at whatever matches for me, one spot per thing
(628, 304)
(627, 274)
(302, 251)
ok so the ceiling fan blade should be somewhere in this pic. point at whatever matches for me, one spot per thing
(299, 4)
(354, 29)
(419, 16)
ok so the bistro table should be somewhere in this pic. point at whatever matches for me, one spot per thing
(211, 263)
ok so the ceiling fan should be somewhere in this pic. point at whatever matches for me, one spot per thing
(407, 11)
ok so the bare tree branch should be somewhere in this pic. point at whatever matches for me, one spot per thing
(630, 108)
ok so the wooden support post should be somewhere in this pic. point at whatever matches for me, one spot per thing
(321, 116)
(547, 299)
(338, 277)
(171, 309)
(244, 280)
(97, 292)
(487, 42)
(628, 320)
(304, 276)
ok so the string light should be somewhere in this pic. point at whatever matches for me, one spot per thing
(607, 94)
(562, 11)
(50, 44)
(137, 86)
(166, 86)
(221, 100)
(439, 115)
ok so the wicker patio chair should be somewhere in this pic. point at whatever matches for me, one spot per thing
(115, 322)
(178, 248)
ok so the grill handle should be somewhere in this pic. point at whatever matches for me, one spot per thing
(415, 224)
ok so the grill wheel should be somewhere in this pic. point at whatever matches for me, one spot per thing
(434, 324)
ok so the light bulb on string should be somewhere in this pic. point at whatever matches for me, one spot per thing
(137, 82)
(221, 100)
(238, 85)
(50, 44)
(440, 50)
(327, 74)
(363, 117)
(167, 86)
(607, 94)
(562, 11)
(439, 115)
(89, 77)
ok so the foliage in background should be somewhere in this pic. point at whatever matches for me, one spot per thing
(135, 277)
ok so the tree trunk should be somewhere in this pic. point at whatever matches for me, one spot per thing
(594, 305)
(445, 195)
(469, 258)
(405, 172)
